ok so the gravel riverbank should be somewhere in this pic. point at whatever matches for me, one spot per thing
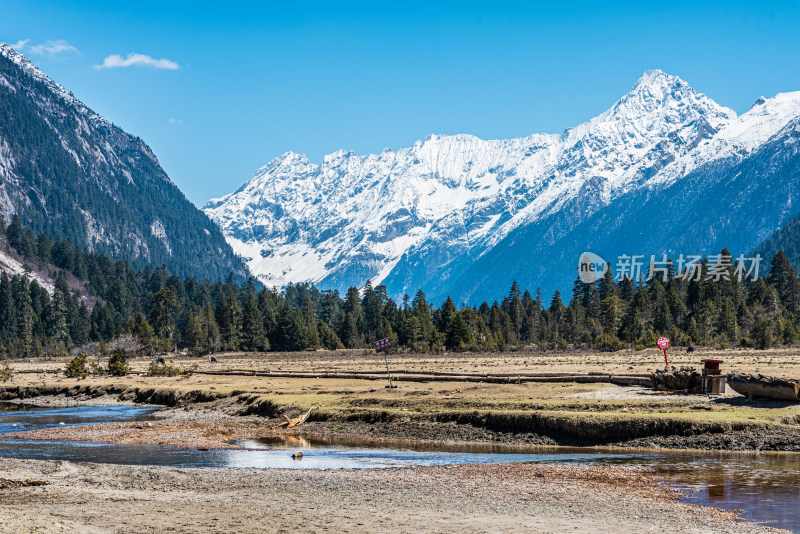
(465, 499)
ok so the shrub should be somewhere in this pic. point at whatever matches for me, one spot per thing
(608, 343)
(118, 364)
(76, 368)
(168, 369)
(763, 335)
(5, 373)
(163, 369)
(95, 368)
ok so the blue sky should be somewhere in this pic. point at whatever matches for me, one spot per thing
(219, 89)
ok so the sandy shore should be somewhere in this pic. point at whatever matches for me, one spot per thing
(467, 498)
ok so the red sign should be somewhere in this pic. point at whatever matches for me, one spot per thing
(383, 344)
(663, 344)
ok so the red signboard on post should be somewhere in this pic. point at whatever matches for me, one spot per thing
(383, 344)
(663, 344)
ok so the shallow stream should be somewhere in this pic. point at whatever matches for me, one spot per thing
(766, 486)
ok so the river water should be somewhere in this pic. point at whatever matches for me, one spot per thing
(765, 486)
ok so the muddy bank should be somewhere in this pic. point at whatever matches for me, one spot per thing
(206, 431)
(766, 439)
(755, 439)
(205, 427)
(467, 498)
(210, 419)
(167, 396)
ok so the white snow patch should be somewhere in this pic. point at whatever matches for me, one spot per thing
(6, 159)
(5, 83)
(11, 266)
(158, 230)
(7, 208)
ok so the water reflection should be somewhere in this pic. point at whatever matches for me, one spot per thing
(29, 419)
(14, 407)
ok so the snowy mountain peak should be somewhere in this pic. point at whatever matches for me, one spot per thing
(657, 91)
(657, 103)
(739, 137)
(447, 200)
(657, 78)
(334, 157)
(11, 53)
(287, 158)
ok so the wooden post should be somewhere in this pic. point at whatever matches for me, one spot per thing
(382, 345)
(388, 374)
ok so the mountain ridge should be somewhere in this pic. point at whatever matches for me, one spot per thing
(452, 198)
(420, 215)
(70, 173)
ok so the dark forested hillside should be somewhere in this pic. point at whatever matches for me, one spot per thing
(71, 174)
(154, 310)
(786, 239)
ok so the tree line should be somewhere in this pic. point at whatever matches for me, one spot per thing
(97, 300)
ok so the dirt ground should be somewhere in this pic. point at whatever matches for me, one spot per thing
(783, 362)
(470, 498)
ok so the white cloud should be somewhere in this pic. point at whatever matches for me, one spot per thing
(19, 45)
(54, 48)
(137, 60)
(175, 122)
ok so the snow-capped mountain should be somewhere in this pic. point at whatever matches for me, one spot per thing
(70, 173)
(428, 216)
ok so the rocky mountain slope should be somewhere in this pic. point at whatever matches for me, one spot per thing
(70, 173)
(664, 170)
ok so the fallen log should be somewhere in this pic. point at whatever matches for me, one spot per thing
(6, 483)
(623, 380)
(337, 373)
(422, 377)
(765, 387)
